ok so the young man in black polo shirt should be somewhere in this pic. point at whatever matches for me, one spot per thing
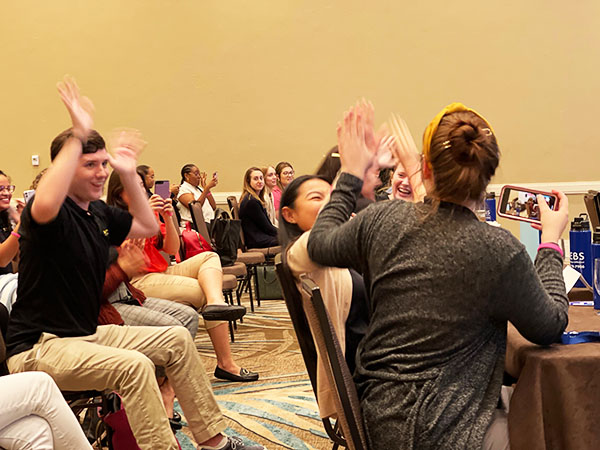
(65, 236)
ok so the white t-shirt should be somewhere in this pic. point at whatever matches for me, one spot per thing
(186, 215)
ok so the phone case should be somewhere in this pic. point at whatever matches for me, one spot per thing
(502, 204)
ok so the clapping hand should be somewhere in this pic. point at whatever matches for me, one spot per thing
(203, 180)
(80, 108)
(356, 139)
(14, 213)
(131, 258)
(405, 149)
(126, 145)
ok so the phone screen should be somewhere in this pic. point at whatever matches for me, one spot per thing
(523, 204)
(162, 188)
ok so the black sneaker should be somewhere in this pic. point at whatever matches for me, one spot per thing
(235, 443)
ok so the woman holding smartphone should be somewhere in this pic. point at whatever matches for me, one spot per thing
(443, 286)
(195, 187)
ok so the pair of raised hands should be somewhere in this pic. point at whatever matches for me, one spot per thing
(163, 206)
(360, 147)
(208, 185)
(125, 144)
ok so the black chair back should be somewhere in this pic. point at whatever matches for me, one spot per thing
(308, 313)
(3, 326)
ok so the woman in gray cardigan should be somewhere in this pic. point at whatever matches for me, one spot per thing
(442, 285)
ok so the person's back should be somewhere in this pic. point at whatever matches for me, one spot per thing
(440, 305)
(443, 286)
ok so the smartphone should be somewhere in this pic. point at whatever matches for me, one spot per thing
(216, 176)
(162, 188)
(521, 203)
(28, 194)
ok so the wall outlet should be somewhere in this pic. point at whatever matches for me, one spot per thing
(35, 160)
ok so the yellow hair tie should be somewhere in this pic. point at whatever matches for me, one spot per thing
(433, 125)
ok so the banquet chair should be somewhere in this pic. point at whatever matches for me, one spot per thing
(308, 314)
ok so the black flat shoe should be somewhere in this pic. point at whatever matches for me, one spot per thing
(175, 426)
(245, 375)
(223, 312)
(176, 416)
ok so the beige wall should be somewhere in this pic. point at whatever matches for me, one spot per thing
(229, 84)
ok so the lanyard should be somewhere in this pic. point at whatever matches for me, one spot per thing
(580, 337)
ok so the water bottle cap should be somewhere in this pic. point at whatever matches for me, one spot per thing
(581, 222)
(490, 195)
(596, 236)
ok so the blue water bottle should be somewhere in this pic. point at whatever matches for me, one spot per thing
(580, 248)
(596, 267)
(490, 207)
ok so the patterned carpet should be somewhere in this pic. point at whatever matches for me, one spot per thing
(278, 411)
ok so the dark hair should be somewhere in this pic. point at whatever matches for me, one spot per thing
(278, 169)
(464, 156)
(142, 170)
(330, 166)
(185, 169)
(288, 232)
(5, 224)
(114, 192)
(114, 197)
(93, 144)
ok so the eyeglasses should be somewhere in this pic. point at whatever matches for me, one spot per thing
(287, 173)
(10, 189)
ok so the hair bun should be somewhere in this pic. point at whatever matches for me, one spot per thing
(464, 146)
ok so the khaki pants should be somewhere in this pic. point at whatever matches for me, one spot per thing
(122, 359)
(180, 282)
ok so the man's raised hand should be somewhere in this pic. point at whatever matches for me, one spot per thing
(126, 145)
(80, 108)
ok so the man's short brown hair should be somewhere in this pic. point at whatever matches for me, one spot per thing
(94, 142)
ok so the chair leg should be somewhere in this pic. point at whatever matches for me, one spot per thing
(256, 290)
(238, 290)
(231, 332)
(251, 275)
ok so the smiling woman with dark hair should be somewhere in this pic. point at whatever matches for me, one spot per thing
(343, 290)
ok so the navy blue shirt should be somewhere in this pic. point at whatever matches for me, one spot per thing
(61, 272)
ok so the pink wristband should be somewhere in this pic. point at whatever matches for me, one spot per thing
(553, 246)
(15, 234)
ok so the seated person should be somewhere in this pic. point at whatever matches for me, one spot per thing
(195, 282)
(35, 416)
(270, 178)
(9, 233)
(147, 174)
(285, 175)
(195, 187)
(343, 290)
(443, 287)
(66, 233)
(258, 230)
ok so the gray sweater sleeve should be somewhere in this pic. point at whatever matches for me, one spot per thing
(334, 240)
(535, 300)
